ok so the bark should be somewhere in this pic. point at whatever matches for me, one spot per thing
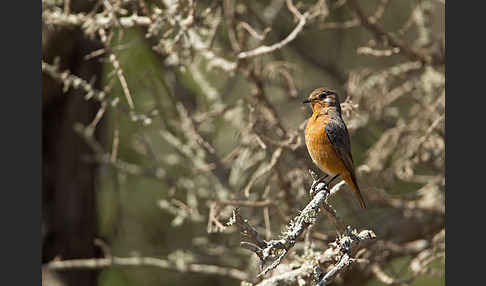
(68, 180)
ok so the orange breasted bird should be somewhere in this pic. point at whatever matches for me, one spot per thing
(327, 139)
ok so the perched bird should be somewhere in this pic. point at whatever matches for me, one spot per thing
(327, 139)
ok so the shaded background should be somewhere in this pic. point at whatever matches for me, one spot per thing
(157, 178)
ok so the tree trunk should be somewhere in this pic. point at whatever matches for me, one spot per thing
(68, 181)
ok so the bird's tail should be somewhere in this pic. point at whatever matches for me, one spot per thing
(351, 181)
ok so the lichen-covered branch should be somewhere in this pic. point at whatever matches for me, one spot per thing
(271, 253)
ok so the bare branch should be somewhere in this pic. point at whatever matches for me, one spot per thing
(268, 49)
(119, 72)
(99, 263)
(393, 40)
(272, 252)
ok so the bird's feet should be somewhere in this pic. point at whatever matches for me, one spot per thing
(314, 189)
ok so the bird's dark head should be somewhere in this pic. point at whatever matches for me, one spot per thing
(323, 98)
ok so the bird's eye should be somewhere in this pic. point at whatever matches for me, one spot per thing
(322, 95)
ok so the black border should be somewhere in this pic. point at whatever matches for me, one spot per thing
(21, 140)
(465, 127)
(465, 78)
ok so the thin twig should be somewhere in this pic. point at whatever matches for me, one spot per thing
(268, 49)
(116, 65)
(99, 263)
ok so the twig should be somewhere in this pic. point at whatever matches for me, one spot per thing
(265, 168)
(251, 31)
(371, 25)
(68, 80)
(59, 18)
(93, 263)
(377, 53)
(67, 7)
(355, 22)
(387, 279)
(266, 217)
(268, 49)
(116, 65)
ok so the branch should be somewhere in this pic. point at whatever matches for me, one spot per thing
(58, 18)
(344, 244)
(272, 252)
(116, 65)
(92, 24)
(394, 41)
(341, 247)
(68, 80)
(92, 263)
(268, 49)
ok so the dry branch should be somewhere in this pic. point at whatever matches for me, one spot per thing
(271, 253)
(93, 263)
(393, 40)
(268, 49)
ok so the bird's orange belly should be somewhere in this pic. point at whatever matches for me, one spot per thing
(321, 150)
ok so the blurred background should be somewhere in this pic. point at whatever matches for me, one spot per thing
(160, 117)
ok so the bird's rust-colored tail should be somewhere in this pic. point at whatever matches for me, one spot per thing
(351, 181)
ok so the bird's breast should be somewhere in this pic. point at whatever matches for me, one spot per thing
(318, 145)
(320, 148)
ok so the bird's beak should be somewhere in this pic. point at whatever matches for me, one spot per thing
(306, 101)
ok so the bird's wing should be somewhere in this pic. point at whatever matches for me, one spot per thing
(338, 135)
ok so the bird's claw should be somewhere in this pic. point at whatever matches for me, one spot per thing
(314, 188)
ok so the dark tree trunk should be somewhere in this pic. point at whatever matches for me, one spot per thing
(68, 180)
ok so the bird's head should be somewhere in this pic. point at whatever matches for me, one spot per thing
(322, 98)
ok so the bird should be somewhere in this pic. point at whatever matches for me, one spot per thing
(327, 139)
